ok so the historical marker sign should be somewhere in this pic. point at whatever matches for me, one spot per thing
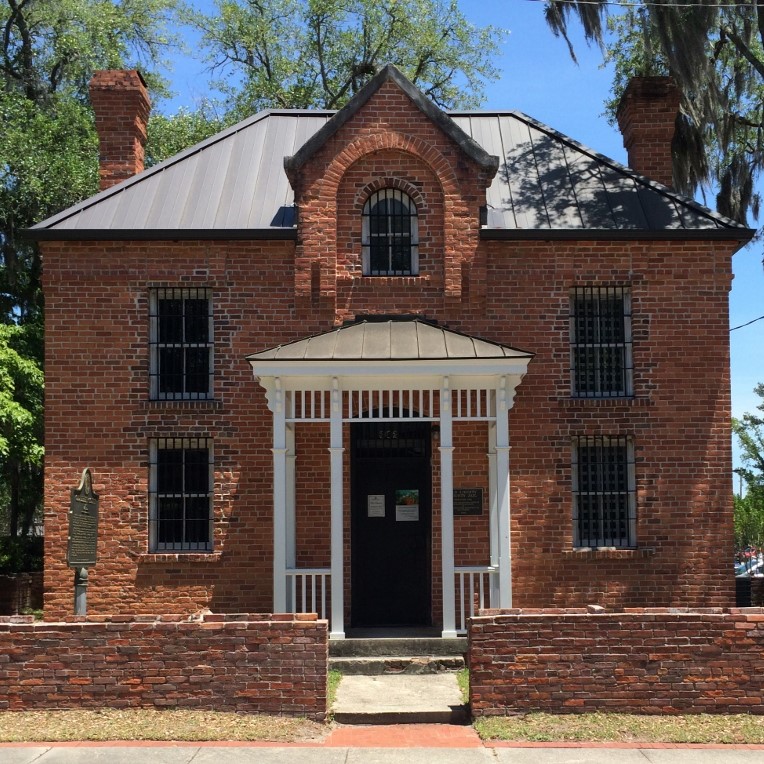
(468, 501)
(83, 524)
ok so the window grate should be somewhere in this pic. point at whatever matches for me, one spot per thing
(180, 494)
(390, 234)
(181, 344)
(604, 492)
(600, 342)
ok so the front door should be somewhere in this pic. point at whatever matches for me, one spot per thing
(391, 520)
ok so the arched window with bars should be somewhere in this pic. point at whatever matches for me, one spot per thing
(390, 234)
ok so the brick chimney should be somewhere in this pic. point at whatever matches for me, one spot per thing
(121, 104)
(647, 116)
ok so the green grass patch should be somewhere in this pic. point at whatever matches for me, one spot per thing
(463, 678)
(333, 682)
(625, 728)
(151, 724)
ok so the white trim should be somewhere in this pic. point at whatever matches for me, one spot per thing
(447, 511)
(502, 495)
(337, 623)
(279, 504)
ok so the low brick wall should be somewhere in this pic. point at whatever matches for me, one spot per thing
(647, 661)
(20, 591)
(249, 663)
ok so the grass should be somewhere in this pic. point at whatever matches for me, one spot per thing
(150, 724)
(331, 687)
(601, 727)
(463, 678)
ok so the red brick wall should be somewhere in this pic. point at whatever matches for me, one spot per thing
(246, 663)
(648, 662)
(647, 117)
(268, 293)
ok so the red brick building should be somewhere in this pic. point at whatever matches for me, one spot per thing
(390, 364)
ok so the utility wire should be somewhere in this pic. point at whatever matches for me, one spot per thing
(748, 323)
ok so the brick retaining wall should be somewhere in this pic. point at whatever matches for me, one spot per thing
(249, 663)
(647, 661)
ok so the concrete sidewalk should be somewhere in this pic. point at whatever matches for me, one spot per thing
(259, 754)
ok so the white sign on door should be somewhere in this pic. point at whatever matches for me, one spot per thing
(376, 505)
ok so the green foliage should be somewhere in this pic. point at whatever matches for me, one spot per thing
(319, 53)
(749, 509)
(168, 136)
(21, 555)
(714, 51)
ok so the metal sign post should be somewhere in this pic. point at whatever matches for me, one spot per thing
(83, 537)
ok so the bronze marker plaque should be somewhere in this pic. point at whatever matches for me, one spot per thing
(83, 524)
(468, 501)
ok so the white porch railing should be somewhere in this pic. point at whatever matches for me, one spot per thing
(308, 590)
(475, 587)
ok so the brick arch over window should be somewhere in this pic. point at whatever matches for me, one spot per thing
(319, 221)
(390, 182)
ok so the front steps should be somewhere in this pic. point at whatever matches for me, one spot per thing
(397, 679)
(372, 656)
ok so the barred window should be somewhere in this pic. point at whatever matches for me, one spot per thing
(604, 492)
(390, 234)
(181, 344)
(180, 495)
(600, 342)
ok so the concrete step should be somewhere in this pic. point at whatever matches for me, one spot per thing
(400, 699)
(374, 647)
(395, 664)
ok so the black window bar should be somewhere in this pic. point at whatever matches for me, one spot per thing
(180, 493)
(181, 344)
(600, 342)
(604, 492)
(390, 234)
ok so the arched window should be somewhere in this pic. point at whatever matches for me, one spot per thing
(390, 234)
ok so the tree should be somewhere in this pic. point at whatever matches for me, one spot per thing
(749, 509)
(48, 161)
(715, 52)
(319, 53)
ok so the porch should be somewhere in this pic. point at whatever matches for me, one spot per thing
(396, 374)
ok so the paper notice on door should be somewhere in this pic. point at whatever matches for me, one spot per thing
(376, 505)
(407, 506)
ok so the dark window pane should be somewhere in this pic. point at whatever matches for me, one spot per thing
(170, 317)
(169, 470)
(197, 370)
(197, 322)
(169, 520)
(197, 470)
(171, 370)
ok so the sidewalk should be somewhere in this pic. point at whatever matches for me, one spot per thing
(394, 744)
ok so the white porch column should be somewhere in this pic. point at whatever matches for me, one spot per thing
(337, 622)
(502, 495)
(493, 511)
(291, 509)
(279, 501)
(447, 510)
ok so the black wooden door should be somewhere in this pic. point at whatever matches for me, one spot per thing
(391, 521)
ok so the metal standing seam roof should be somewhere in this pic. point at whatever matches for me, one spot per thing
(393, 340)
(234, 185)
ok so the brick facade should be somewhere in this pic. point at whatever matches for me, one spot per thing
(647, 662)
(267, 293)
(251, 664)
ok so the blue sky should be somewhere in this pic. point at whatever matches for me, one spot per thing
(539, 78)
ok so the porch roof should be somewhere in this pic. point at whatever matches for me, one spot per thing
(390, 340)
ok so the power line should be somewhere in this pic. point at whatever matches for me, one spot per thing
(748, 323)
